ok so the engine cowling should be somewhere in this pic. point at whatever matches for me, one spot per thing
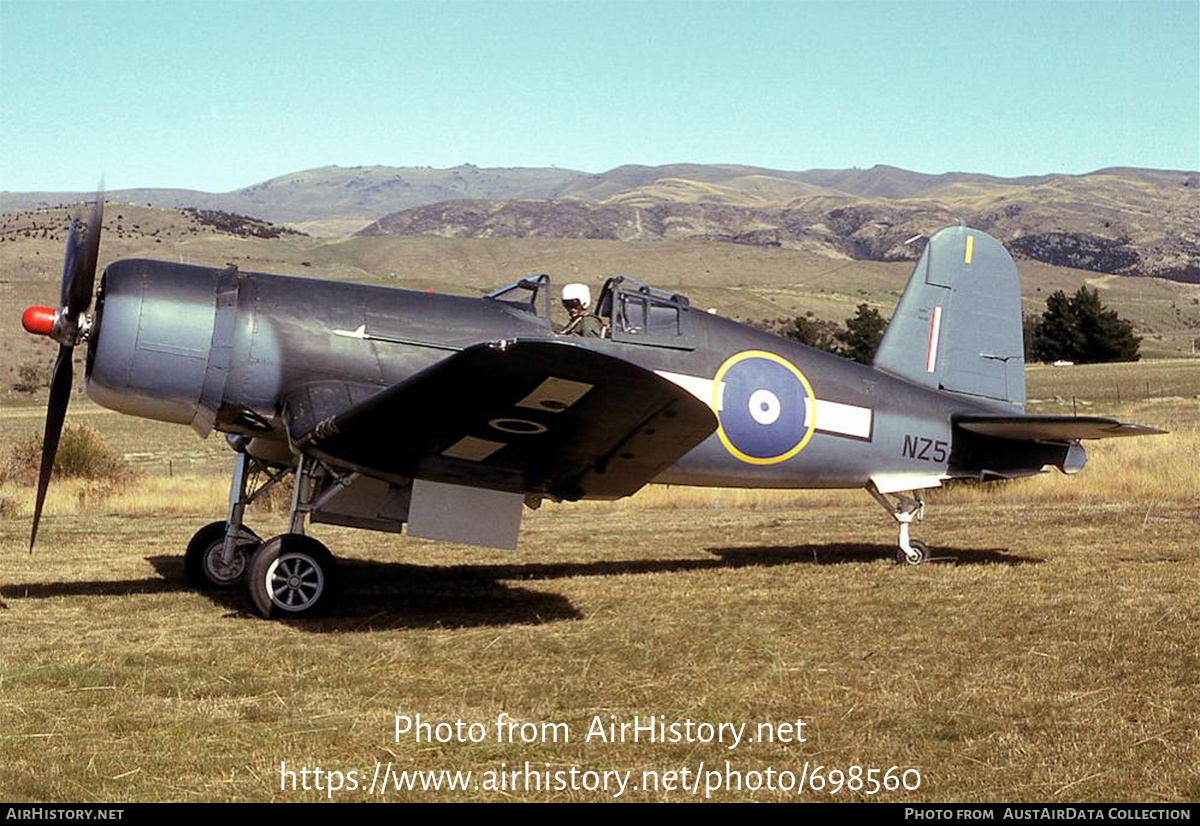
(161, 340)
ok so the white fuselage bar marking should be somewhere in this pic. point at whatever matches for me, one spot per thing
(832, 417)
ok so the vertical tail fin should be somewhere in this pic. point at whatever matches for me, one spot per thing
(958, 325)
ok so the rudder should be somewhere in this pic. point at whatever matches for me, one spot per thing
(958, 325)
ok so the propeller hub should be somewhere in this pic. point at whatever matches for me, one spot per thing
(39, 320)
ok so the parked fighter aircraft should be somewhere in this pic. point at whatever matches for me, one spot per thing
(452, 414)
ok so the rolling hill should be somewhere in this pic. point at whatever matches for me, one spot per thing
(1127, 222)
(1122, 220)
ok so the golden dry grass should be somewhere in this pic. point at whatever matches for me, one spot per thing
(147, 496)
(1049, 653)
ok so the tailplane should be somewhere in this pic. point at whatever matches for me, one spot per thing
(958, 325)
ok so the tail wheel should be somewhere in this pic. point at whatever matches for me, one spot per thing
(922, 554)
(291, 576)
(203, 564)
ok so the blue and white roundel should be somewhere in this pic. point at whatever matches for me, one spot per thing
(763, 403)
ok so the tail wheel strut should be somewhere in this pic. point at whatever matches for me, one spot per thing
(904, 510)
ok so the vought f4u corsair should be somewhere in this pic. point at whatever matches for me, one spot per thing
(384, 407)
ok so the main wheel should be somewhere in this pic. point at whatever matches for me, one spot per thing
(922, 551)
(202, 561)
(291, 576)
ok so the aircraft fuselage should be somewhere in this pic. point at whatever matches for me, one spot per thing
(219, 349)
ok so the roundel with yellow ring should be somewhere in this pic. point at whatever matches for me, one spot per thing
(765, 407)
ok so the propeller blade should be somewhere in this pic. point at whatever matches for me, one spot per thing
(82, 283)
(56, 413)
(70, 262)
(75, 297)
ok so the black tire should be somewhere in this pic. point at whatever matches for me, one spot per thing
(291, 575)
(916, 545)
(201, 560)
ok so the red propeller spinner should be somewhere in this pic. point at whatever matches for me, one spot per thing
(39, 320)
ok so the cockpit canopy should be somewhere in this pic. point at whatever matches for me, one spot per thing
(632, 311)
(530, 294)
(640, 314)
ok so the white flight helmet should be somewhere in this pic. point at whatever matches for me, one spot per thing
(577, 292)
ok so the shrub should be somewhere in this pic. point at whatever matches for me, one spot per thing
(82, 454)
(1081, 329)
(863, 334)
(32, 376)
(818, 333)
(858, 340)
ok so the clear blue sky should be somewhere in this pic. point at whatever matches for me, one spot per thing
(215, 96)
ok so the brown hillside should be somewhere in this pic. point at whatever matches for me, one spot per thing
(1119, 222)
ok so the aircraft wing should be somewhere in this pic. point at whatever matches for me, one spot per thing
(1050, 428)
(530, 416)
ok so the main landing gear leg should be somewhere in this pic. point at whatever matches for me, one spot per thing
(219, 554)
(234, 526)
(904, 511)
(293, 575)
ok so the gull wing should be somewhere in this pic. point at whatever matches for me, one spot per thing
(529, 416)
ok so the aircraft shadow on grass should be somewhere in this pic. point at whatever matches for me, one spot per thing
(390, 595)
(399, 595)
(98, 588)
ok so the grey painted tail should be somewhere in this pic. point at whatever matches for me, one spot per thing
(958, 325)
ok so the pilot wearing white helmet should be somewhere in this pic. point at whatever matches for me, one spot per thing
(577, 298)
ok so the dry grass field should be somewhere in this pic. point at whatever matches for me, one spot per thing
(1049, 652)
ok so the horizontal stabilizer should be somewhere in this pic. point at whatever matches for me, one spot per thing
(1051, 428)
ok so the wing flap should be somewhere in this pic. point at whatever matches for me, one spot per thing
(1051, 428)
(521, 416)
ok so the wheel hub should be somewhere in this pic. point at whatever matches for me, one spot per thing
(220, 571)
(294, 582)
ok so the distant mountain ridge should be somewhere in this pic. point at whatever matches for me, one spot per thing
(335, 192)
(373, 191)
(1120, 220)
